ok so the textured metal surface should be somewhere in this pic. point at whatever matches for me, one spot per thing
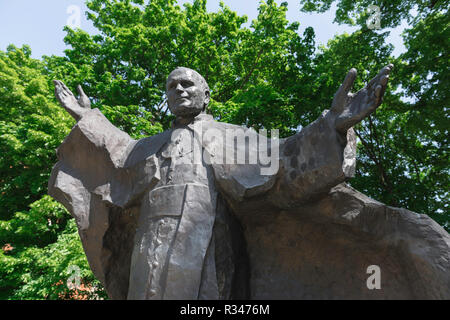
(170, 217)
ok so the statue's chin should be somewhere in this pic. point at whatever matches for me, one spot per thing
(185, 111)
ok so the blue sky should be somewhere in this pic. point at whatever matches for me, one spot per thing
(39, 23)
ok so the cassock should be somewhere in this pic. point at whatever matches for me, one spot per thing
(158, 222)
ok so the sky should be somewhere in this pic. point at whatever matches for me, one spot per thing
(40, 23)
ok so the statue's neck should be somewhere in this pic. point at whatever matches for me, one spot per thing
(185, 120)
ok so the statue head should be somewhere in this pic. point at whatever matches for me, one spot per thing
(187, 92)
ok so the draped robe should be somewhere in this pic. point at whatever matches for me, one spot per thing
(155, 224)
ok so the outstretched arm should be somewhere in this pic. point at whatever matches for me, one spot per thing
(94, 149)
(323, 154)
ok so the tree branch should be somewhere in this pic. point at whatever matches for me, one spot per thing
(247, 77)
(385, 182)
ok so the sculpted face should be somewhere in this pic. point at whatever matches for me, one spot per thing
(187, 93)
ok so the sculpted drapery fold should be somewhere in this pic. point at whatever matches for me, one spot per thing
(210, 210)
(101, 167)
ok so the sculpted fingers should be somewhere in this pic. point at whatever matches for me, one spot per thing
(349, 80)
(365, 101)
(382, 77)
(375, 91)
(378, 86)
(378, 91)
(59, 92)
(386, 70)
(343, 94)
(65, 88)
(67, 100)
(57, 86)
(384, 80)
(80, 91)
(83, 99)
(61, 88)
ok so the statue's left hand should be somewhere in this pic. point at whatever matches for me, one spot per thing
(351, 108)
(76, 108)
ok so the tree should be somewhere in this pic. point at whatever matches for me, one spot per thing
(403, 153)
(355, 12)
(124, 68)
(39, 240)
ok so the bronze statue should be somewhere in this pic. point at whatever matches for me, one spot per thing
(190, 214)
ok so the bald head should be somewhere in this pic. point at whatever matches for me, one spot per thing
(187, 92)
(189, 73)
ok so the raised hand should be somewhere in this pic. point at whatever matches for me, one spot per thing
(76, 108)
(351, 108)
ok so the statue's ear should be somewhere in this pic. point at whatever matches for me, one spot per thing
(207, 99)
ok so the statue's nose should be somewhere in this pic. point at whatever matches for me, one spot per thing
(179, 88)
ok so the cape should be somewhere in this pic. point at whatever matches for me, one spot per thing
(307, 235)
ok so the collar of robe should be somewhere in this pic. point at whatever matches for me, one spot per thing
(200, 117)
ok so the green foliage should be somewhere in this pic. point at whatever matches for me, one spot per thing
(403, 156)
(31, 128)
(39, 226)
(37, 235)
(42, 273)
(365, 51)
(355, 12)
(128, 62)
(424, 138)
(254, 108)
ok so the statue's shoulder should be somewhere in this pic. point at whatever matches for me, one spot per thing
(143, 148)
(225, 126)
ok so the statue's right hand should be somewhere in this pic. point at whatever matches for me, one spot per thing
(76, 108)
